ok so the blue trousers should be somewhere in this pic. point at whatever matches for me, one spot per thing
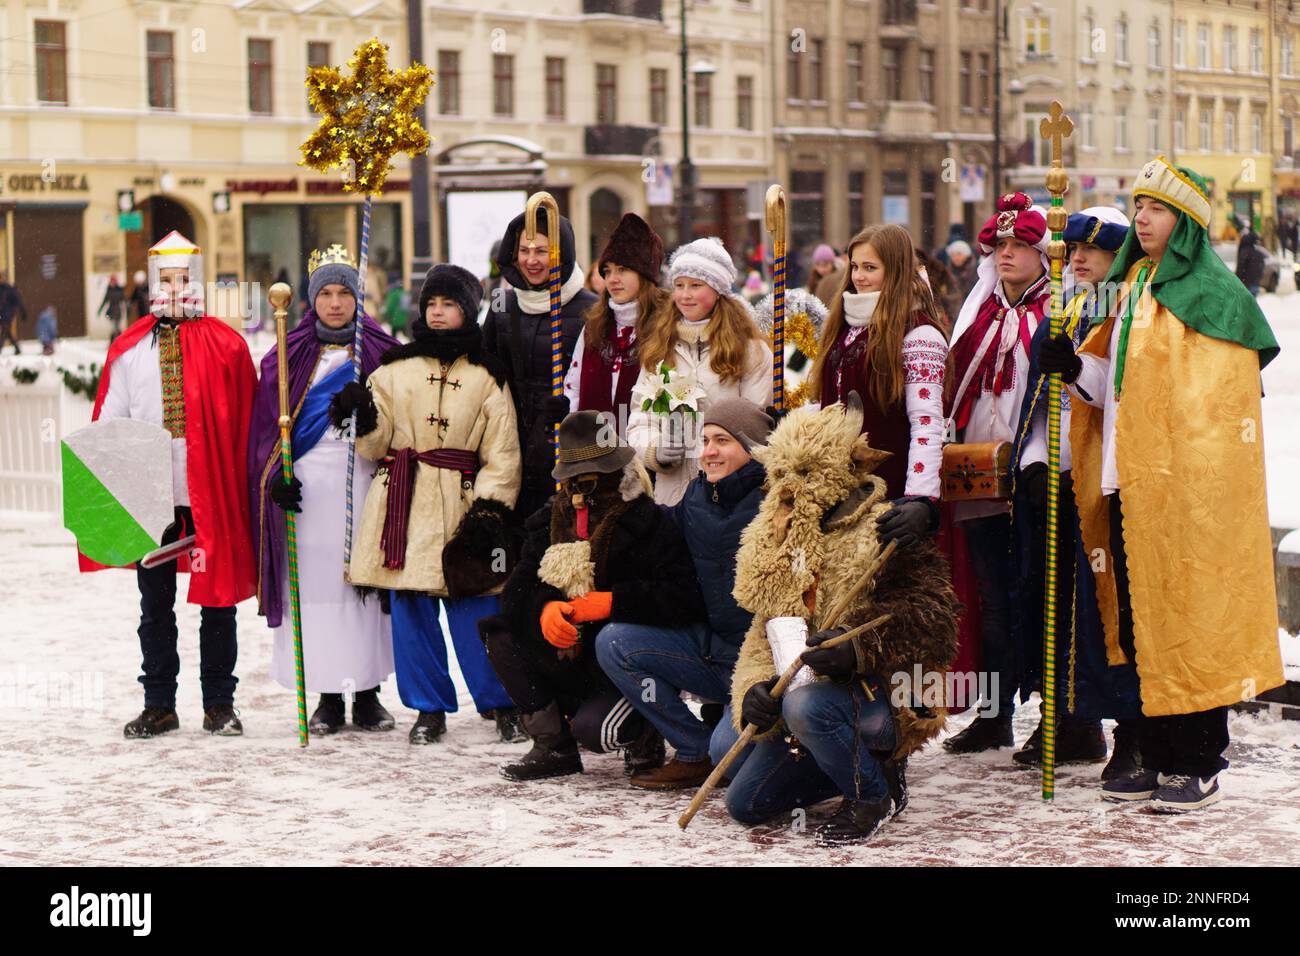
(420, 652)
(767, 779)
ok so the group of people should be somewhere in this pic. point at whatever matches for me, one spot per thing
(619, 573)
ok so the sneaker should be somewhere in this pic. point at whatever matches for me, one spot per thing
(1136, 785)
(856, 821)
(152, 722)
(429, 726)
(328, 717)
(220, 721)
(674, 775)
(369, 714)
(984, 733)
(1179, 793)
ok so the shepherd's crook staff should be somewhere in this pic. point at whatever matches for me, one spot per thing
(776, 225)
(365, 119)
(280, 294)
(1054, 128)
(546, 202)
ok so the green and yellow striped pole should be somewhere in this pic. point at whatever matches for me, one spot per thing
(1056, 127)
(280, 295)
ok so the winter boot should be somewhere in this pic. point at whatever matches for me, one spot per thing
(854, 822)
(896, 778)
(152, 722)
(646, 753)
(674, 775)
(509, 727)
(1077, 741)
(984, 733)
(1126, 757)
(554, 752)
(369, 714)
(428, 727)
(328, 717)
(220, 721)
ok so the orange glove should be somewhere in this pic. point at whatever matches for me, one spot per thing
(592, 606)
(555, 625)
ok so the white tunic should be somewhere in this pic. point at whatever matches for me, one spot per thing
(1095, 385)
(347, 644)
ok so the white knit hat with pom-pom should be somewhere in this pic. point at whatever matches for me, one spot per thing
(706, 260)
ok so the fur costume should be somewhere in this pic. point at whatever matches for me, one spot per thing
(813, 539)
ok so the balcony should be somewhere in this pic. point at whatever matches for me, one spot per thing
(612, 139)
(642, 9)
(898, 13)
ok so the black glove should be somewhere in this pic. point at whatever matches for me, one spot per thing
(1033, 478)
(557, 409)
(909, 520)
(1056, 354)
(796, 361)
(354, 397)
(758, 707)
(838, 663)
(287, 497)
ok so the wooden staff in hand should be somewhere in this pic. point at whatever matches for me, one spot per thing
(832, 620)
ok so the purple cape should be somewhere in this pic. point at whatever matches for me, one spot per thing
(264, 467)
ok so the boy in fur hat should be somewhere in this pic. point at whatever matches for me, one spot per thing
(603, 552)
(813, 539)
(438, 418)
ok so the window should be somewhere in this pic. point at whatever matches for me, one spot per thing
(606, 93)
(1229, 131)
(1153, 130)
(1180, 129)
(162, 70)
(926, 67)
(817, 66)
(1257, 132)
(745, 102)
(1038, 36)
(1037, 151)
(1121, 40)
(51, 61)
(1085, 126)
(1256, 51)
(1207, 117)
(857, 199)
(318, 54)
(1288, 136)
(448, 85)
(555, 87)
(853, 71)
(658, 97)
(891, 75)
(964, 80)
(1180, 43)
(1153, 47)
(794, 75)
(1203, 46)
(986, 82)
(1121, 128)
(703, 99)
(1288, 55)
(1088, 24)
(503, 84)
(1229, 48)
(259, 77)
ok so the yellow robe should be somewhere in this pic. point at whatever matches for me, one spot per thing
(1189, 448)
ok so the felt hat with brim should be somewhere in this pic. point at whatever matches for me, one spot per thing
(589, 445)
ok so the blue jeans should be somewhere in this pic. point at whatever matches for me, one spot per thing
(767, 780)
(420, 652)
(651, 666)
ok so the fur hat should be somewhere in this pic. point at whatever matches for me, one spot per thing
(706, 260)
(958, 247)
(634, 245)
(742, 419)
(823, 253)
(455, 283)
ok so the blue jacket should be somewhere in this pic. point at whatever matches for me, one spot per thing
(711, 516)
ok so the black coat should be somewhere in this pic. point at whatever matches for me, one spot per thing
(1250, 261)
(646, 566)
(711, 517)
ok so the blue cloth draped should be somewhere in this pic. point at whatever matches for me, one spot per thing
(313, 417)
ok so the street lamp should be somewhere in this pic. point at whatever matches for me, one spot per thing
(685, 169)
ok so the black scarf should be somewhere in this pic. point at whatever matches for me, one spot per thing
(329, 336)
(447, 345)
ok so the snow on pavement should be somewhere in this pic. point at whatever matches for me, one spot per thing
(75, 792)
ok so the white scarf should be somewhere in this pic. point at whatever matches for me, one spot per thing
(538, 302)
(859, 307)
(624, 315)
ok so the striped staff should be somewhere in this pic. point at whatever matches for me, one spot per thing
(774, 205)
(356, 377)
(546, 202)
(1056, 127)
(280, 295)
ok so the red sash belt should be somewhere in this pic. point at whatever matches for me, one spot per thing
(401, 485)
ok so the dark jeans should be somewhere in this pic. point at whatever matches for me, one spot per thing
(1176, 743)
(989, 542)
(217, 645)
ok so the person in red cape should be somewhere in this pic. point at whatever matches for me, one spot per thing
(191, 374)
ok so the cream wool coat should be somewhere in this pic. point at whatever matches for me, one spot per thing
(478, 415)
(691, 360)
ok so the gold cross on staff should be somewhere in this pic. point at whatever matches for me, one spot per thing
(1056, 127)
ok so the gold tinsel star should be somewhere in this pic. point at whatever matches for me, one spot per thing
(359, 113)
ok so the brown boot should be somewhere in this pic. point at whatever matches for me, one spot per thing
(674, 775)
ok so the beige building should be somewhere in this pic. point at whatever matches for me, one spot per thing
(879, 110)
(1285, 115)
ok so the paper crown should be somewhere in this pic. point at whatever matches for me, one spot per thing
(334, 255)
(174, 244)
(1177, 187)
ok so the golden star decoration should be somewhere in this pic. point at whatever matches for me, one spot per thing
(366, 118)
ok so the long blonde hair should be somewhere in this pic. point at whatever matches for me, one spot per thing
(730, 331)
(599, 318)
(902, 295)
